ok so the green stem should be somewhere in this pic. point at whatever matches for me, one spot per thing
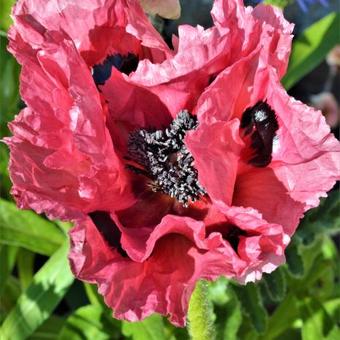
(200, 314)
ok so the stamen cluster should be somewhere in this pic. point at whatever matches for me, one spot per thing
(166, 159)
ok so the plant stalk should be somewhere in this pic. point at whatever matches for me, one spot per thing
(200, 314)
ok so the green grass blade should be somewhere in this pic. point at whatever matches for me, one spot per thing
(28, 230)
(90, 322)
(37, 303)
(7, 261)
(311, 48)
(25, 267)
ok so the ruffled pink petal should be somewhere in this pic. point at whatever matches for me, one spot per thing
(276, 36)
(196, 48)
(303, 145)
(261, 189)
(223, 101)
(201, 54)
(306, 157)
(89, 24)
(262, 26)
(61, 151)
(131, 107)
(216, 150)
(169, 9)
(261, 248)
(176, 255)
(161, 265)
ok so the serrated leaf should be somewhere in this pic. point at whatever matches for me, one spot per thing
(36, 304)
(26, 229)
(152, 328)
(323, 219)
(282, 318)
(218, 291)
(333, 308)
(311, 48)
(252, 305)
(294, 260)
(317, 324)
(89, 322)
(233, 317)
(276, 285)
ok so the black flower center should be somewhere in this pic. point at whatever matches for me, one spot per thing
(125, 64)
(260, 123)
(162, 156)
(233, 236)
(108, 230)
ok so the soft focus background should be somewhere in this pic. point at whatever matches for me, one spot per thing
(39, 298)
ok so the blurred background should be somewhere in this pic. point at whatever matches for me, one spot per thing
(40, 299)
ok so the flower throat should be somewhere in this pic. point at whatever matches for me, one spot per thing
(162, 156)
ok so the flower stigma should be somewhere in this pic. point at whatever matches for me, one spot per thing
(165, 159)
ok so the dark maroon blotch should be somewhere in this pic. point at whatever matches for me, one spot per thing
(260, 122)
(108, 229)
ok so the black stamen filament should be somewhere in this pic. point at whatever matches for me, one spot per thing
(162, 156)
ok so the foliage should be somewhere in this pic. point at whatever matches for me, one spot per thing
(300, 300)
(311, 48)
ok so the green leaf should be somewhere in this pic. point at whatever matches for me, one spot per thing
(25, 265)
(28, 230)
(282, 318)
(94, 297)
(219, 292)
(278, 3)
(5, 183)
(276, 285)
(5, 10)
(317, 324)
(333, 308)
(90, 322)
(7, 261)
(294, 260)
(252, 305)
(9, 94)
(311, 48)
(36, 304)
(49, 329)
(325, 219)
(152, 328)
(233, 318)
(227, 309)
(11, 293)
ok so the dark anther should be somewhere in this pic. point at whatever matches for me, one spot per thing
(108, 229)
(233, 236)
(261, 124)
(125, 64)
(163, 157)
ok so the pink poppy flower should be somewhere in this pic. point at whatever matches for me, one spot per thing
(175, 165)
